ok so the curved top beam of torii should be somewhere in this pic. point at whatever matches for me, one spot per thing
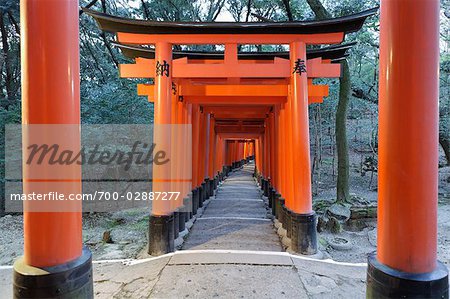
(335, 53)
(344, 24)
(132, 31)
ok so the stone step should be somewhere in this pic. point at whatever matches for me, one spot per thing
(235, 219)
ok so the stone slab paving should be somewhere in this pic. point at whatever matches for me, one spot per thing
(222, 274)
(235, 218)
(229, 281)
(226, 233)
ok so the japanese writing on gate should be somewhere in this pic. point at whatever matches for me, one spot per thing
(162, 69)
(299, 67)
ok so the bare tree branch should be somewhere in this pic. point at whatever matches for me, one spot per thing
(105, 40)
(90, 4)
(287, 7)
(14, 22)
(8, 67)
(249, 7)
(146, 11)
(219, 9)
(261, 18)
(319, 10)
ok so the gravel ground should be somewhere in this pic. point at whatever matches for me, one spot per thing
(128, 232)
(364, 242)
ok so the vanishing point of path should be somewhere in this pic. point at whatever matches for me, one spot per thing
(235, 218)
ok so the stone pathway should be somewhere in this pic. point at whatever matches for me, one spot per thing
(235, 218)
(231, 252)
(221, 274)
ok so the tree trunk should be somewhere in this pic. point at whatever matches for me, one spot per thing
(249, 6)
(342, 191)
(445, 143)
(318, 9)
(146, 11)
(9, 78)
(342, 186)
(105, 40)
(287, 7)
(90, 4)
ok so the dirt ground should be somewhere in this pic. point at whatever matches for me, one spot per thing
(129, 233)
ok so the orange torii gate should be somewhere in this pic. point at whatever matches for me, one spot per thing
(242, 105)
(239, 97)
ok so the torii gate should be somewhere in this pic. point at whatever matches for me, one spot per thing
(251, 101)
(279, 83)
(278, 136)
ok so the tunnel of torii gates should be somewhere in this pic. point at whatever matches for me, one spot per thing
(245, 106)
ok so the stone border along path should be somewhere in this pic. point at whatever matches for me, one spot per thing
(221, 274)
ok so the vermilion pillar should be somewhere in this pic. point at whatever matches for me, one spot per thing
(241, 151)
(195, 158)
(227, 152)
(267, 150)
(175, 142)
(288, 193)
(258, 155)
(54, 263)
(245, 149)
(278, 152)
(161, 224)
(302, 201)
(195, 141)
(304, 236)
(282, 151)
(188, 200)
(211, 154)
(162, 118)
(272, 147)
(207, 144)
(405, 265)
(218, 156)
(202, 160)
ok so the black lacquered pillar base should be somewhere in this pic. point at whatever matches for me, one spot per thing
(262, 183)
(188, 206)
(223, 173)
(276, 198)
(201, 195)
(69, 280)
(205, 192)
(304, 233)
(266, 188)
(270, 197)
(288, 222)
(384, 282)
(176, 224)
(216, 181)
(195, 200)
(161, 234)
(182, 215)
(211, 187)
(279, 209)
